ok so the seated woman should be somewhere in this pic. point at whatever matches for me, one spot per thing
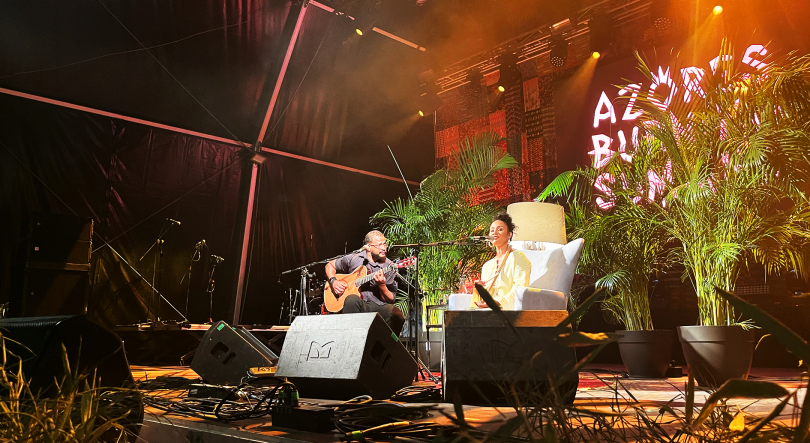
(508, 270)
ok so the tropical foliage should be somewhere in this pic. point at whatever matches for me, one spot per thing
(727, 175)
(622, 247)
(78, 411)
(446, 210)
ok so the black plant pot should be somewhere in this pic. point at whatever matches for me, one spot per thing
(646, 354)
(716, 354)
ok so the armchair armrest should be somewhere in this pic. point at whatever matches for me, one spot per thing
(459, 302)
(533, 299)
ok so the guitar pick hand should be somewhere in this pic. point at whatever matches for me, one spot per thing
(338, 287)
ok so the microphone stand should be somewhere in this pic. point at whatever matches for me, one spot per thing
(304, 284)
(156, 269)
(210, 290)
(416, 301)
(195, 257)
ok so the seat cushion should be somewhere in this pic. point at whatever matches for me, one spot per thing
(554, 267)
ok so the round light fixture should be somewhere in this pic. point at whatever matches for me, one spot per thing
(717, 10)
(595, 55)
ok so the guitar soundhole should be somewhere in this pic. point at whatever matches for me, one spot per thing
(377, 352)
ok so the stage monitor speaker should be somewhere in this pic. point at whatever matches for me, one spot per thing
(225, 354)
(343, 356)
(90, 347)
(483, 356)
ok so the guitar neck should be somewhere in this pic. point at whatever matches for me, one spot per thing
(368, 278)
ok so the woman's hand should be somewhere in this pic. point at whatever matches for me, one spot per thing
(482, 304)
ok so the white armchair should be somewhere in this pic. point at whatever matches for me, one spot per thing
(540, 235)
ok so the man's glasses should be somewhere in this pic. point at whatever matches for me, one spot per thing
(382, 245)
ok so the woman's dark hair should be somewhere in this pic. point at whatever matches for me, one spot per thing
(507, 219)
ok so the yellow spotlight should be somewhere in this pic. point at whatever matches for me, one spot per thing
(501, 88)
(595, 55)
(717, 10)
(421, 114)
(358, 31)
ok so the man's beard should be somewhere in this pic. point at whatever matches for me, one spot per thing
(377, 257)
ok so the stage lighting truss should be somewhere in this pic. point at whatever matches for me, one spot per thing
(559, 51)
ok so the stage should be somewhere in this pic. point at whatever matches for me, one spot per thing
(601, 388)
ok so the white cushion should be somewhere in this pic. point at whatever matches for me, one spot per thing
(533, 299)
(459, 302)
(554, 267)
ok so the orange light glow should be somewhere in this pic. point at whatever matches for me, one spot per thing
(595, 55)
(717, 10)
(421, 114)
(501, 88)
(358, 31)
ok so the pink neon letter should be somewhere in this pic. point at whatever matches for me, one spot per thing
(608, 113)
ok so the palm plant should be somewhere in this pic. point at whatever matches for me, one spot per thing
(446, 209)
(623, 246)
(734, 169)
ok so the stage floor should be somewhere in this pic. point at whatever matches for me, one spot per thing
(598, 388)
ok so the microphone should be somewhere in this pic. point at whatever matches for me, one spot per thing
(480, 238)
(173, 221)
(364, 248)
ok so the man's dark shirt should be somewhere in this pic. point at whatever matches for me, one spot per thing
(369, 291)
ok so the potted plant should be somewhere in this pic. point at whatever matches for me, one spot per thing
(446, 208)
(623, 247)
(733, 167)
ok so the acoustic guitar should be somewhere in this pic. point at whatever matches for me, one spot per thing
(357, 278)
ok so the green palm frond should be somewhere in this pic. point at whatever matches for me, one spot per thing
(442, 210)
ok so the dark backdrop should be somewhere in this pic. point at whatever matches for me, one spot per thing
(343, 101)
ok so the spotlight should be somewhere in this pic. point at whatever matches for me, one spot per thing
(595, 55)
(659, 14)
(717, 10)
(601, 30)
(429, 101)
(559, 51)
(508, 73)
(365, 16)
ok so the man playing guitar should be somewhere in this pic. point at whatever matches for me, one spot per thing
(379, 294)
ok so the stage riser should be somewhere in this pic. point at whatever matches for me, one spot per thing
(481, 349)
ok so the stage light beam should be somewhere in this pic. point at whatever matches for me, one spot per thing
(595, 55)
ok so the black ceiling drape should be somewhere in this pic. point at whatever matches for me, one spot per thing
(129, 179)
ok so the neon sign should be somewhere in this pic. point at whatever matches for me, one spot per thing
(604, 147)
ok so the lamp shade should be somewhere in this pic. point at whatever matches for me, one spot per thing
(543, 222)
